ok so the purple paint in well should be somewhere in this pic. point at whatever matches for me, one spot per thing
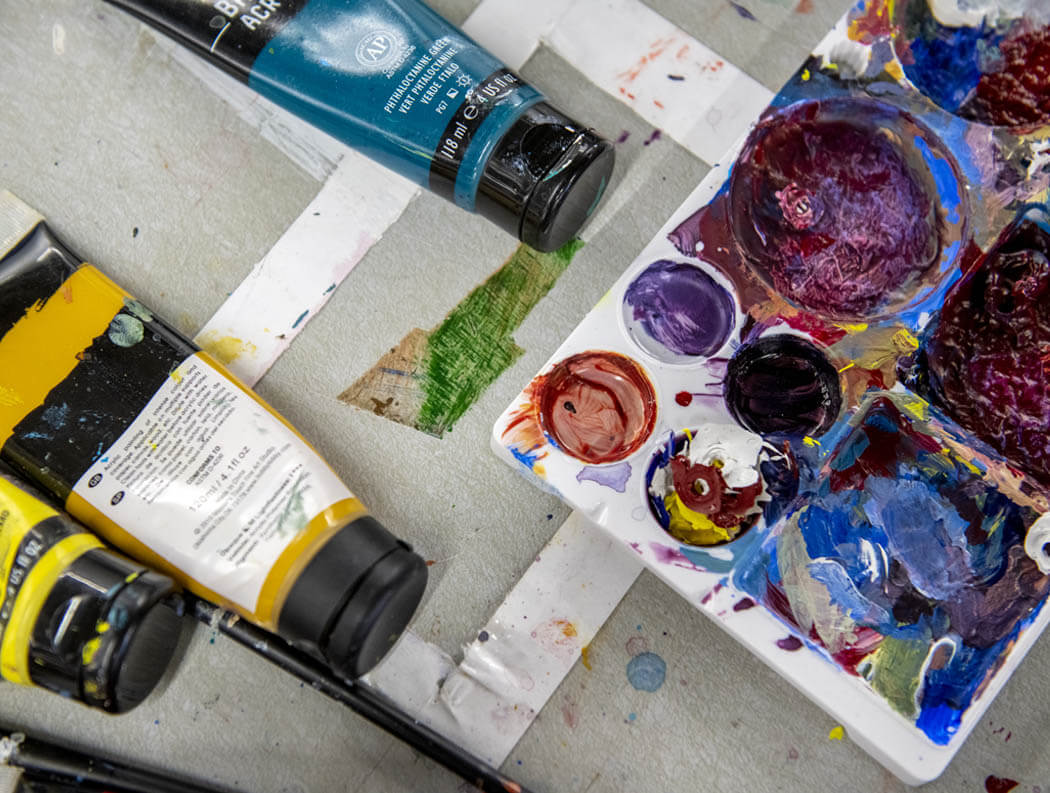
(676, 311)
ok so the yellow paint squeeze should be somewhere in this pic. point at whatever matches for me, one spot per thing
(837, 733)
(694, 527)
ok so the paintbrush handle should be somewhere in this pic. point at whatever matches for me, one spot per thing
(43, 761)
(362, 699)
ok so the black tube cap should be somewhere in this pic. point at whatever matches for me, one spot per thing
(107, 632)
(355, 598)
(545, 178)
(130, 662)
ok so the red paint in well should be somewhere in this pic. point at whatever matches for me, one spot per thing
(597, 406)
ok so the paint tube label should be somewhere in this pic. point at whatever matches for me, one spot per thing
(36, 546)
(214, 483)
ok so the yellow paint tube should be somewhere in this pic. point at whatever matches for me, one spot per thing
(159, 449)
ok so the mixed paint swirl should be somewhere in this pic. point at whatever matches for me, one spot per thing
(904, 566)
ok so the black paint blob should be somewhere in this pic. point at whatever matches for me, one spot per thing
(783, 385)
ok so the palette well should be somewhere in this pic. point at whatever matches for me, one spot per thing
(817, 403)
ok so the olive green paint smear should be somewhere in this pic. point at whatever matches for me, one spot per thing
(897, 671)
(432, 378)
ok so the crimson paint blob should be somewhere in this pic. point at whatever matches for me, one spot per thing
(988, 359)
(995, 73)
(1018, 93)
(597, 406)
(834, 210)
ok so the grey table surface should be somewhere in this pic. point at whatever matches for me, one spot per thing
(104, 133)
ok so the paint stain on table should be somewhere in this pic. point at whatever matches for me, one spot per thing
(647, 671)
(432, 378)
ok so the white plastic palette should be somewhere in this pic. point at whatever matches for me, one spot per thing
(874, 550)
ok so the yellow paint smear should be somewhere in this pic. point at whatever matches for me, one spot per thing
(568, 630)
(9, 398)
(226, 348)
(89, 651)
(917, 407)
(905, 340)
(585, 657)
(853, 327)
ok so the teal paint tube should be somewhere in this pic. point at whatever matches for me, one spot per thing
(395, 81)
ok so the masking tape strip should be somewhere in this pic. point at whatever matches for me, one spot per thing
(295, 279)
(668, 77)
(358, 201)
(487, 701)
(526, 649)
(308, 147)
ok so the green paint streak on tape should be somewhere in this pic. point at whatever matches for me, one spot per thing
(473, 345)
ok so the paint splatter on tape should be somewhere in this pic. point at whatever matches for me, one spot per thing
(668, 77)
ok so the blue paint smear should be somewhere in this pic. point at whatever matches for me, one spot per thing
(848, 457)
(946, 62)
(708, 561)
(528, 458)
(56, 416)
(907, 541)
(925, 534)
(929, 300)
(300, 319)
(647, 671)
(944, 177)
(742, 11)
